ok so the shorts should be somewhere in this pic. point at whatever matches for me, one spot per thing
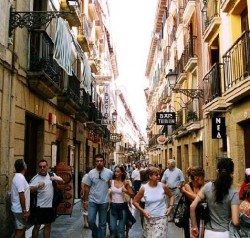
(44, 215)
(20, 222)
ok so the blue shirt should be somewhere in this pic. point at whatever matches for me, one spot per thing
(173, 177)
(99, 185)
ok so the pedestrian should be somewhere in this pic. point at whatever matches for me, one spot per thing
(155, 211)
(223, 203)
(43, 184)
(136, 178)
(85, 212)
(96, 196)
(161, 170)
(245, 214)
(245, 184)
(20, 198)
(174, 179)
(119, 208)
(190, 190)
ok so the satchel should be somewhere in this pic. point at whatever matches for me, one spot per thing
(180, 213)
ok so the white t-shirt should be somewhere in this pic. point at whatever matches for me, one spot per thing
(45, 194)
(19, 184)
(136, 174)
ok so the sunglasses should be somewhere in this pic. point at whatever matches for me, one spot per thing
(42, 166)
(100, 177)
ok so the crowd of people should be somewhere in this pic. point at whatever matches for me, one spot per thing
(109, 193)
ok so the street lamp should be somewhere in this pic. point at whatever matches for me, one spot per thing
(171, 78)
(114, 116)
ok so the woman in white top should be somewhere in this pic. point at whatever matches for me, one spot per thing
(118, 207)
(155, 211)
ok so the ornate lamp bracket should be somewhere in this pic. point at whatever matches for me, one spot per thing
(33, 20)
(192, 93)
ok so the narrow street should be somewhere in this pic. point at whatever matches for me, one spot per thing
(72, 226)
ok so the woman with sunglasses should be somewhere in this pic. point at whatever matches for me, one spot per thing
(118, 207)
(155, 211)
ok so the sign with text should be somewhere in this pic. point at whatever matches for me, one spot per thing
(115, 137)
(165, 118)
(218, 127)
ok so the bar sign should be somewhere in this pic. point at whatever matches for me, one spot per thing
(218, 127)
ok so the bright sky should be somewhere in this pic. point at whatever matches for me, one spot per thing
(132, 25)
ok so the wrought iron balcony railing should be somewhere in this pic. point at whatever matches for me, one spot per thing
(237, 61)
(41, 56)
(190, 49)
(209, 12)
(212, 83)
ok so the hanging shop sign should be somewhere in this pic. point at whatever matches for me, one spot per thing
(218, 127)
(161, 139)
(165, 118)
(115, 137)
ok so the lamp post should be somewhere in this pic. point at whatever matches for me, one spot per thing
(114, 116)
(171, 78)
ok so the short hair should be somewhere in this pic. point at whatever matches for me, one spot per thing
(171, 161)
(153, 170)
(19, 165)
(43, 161)
(101, 156)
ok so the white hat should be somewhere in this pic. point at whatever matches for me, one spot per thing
(248, 171)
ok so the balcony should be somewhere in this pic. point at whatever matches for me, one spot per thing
(182, 75)
(92, 10)
(233, 6)
(98, 29)
(237, 69)
(69, 101)
(189, 8)
(212, 87)
(74, 19)
(190, 57)
(44, 74)
(83, 36)
(83, 113)
(211, 20)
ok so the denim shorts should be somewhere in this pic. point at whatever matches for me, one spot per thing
(20, 222)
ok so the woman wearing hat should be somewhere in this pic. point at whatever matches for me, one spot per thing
(245, 184)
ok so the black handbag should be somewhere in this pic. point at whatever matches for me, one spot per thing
(180, 213)
(202, 211)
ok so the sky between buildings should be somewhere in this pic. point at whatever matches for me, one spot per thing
(132, 25)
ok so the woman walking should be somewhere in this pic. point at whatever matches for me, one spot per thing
(155, 211)
(119, 207)
(223, 203)
(190, 190)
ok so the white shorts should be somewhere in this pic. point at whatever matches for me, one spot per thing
(216, 234)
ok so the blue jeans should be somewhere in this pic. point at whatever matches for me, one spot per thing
(101, 209)
(119, 229)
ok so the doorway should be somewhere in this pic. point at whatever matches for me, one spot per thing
(33, 144)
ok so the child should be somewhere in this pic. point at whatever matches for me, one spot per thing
(245, 213)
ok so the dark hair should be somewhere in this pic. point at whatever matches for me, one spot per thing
(224, 179)
(101, 156)
(42, 161)
(247, 179)
(121, 167)
(246, 193)
(19, 165)
(196, 171)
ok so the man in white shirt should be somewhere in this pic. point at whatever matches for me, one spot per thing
(136, 177)
(20, 198)
(45, 213)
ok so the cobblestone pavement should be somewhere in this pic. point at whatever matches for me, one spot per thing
(67, 226)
